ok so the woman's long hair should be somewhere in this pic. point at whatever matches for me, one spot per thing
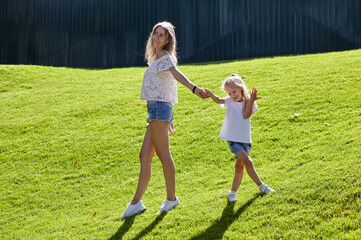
(171, 47)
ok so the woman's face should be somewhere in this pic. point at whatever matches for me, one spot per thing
(234, 92)
(160, 38)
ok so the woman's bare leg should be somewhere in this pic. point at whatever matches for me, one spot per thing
(160, 139)
(146, 155)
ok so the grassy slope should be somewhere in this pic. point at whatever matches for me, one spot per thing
(70, 138)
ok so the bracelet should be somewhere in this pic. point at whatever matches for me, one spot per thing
(194, 88)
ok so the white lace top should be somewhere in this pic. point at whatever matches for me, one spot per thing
(159, 83)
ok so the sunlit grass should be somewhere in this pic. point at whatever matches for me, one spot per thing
(70, 139)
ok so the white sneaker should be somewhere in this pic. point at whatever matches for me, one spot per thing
(168, 205)
(133, 209)
(265, 189)
(232, 196)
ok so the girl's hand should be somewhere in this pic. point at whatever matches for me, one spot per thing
(208, 92)
(200, 93)
(254, 95)
(214, 97)
(171, 129)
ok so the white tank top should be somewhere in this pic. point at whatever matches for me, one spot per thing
(235, 127)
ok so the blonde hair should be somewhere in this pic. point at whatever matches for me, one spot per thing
(236, 81)
(171, 47)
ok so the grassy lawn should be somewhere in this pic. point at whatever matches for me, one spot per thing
(70, 139)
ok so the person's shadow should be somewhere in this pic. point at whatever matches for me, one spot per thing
(219, 227)
(123, 229)
(128, 224)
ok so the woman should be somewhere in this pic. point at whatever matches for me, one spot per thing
(159, 89)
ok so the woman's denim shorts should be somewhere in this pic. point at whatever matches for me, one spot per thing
(236, 147)
(162, 111)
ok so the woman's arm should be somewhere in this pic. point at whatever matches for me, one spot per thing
(180, 77)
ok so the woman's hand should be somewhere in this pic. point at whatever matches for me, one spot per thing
(171, 129)
(208, 92)
(200, 93)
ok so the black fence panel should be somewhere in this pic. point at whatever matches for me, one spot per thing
(112, 33)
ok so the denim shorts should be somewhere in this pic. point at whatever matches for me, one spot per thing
(162, 111)
(236, 147)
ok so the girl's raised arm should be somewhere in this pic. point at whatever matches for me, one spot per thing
(250, 102)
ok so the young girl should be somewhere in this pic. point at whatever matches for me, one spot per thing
(236, 129)
(159, 89)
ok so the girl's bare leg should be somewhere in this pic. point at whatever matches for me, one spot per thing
(248, 163)
(238, 174)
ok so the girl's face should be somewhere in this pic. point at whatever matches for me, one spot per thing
(160, 38)
(235, 93)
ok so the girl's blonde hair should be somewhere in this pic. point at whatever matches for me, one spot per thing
(171, 47)
(236, 81)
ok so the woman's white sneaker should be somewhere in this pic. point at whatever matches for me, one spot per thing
(168, 205)
(133, 209)
(232, 196)
(265, 189)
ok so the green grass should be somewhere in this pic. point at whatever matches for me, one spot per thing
(70, 139)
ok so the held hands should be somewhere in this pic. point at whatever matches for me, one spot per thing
(208, 92)
(200, 93)
(254, 95)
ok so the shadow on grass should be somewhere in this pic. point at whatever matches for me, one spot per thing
(151, 226)
(128, 224)
(220, 226)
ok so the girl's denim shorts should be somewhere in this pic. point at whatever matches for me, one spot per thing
(236, 147)
(162, 111)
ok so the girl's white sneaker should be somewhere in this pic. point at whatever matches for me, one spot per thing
(265, 189)
(133, 209)
(168, 205)
(232, 196)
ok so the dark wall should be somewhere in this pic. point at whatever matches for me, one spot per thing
(112, 33)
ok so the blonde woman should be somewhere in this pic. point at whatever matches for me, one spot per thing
(236, 129)
(159, 89)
